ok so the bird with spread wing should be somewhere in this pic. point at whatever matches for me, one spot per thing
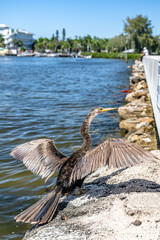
(43, 158)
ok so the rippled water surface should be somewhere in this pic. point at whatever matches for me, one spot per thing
(50, 97)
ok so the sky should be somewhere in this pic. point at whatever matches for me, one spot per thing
(101, 18)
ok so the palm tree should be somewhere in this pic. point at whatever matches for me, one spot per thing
(57, 34)
(2, 41)
(1, 38)
(63, 34)
(20, 43)
(15, 42)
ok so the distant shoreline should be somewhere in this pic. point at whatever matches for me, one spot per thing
(88, 55)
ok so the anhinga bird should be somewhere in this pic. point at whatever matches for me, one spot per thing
(43, 158)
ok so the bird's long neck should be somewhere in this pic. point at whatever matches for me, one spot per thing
(87, 144)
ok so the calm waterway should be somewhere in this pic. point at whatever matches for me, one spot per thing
(50, 97)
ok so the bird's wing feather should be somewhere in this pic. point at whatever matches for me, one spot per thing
(40, 156)
(114, 153)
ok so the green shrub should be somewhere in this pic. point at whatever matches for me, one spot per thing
(112, 55)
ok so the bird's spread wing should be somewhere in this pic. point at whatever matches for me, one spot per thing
(114, 153)
(40, 156)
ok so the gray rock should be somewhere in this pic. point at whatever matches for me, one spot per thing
(145, 140)
(137, 95)
(135, 109)
(134, 80)
(140, 85)
(134, 124)
(137, 115)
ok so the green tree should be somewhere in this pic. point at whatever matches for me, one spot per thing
(2, 45)
(65, 47)
(53, 37)
(156, 44)
(40, 39)
(39, 46)
(45, 43)
(63, 34)
(51, 45)
(139, 31)
(116, 44)
(1, 38)
(57, 34)
(99, 44)
(70, 44)
(2, 41)
(19, 43)
(34, 44)
(76, 46)
(23, 49)
(87, 43)
(137, 34)
(15, 42)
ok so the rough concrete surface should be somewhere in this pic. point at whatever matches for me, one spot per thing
(116, 205)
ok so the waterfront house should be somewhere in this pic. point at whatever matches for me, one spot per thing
(9, 34)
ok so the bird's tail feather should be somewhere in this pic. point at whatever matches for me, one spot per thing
(43, 210)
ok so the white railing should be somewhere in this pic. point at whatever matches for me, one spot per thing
(152, 71)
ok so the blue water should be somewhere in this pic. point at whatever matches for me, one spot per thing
(50, 97)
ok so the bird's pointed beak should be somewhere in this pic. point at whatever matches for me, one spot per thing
(108, 109)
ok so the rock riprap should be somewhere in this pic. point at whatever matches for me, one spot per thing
(137, 118)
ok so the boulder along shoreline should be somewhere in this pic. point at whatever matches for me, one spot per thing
(137, 118)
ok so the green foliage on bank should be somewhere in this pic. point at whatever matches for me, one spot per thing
(112, 55)
(2, 41)
(134, 56)
(137, 34)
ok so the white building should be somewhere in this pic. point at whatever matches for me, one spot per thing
(9, 34)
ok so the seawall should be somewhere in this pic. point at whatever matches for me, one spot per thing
(137, 117)
(152, 70)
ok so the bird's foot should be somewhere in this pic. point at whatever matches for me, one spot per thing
(67, 193)
(80, 191)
